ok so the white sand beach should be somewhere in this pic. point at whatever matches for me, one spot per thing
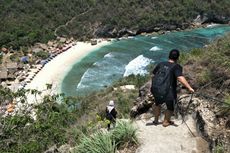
(55, 70)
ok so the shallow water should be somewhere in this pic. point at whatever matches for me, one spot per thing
(132, 56)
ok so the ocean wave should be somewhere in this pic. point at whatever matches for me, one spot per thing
(155, 48)
(137, 66)
(154, 37)
(212, 25)
(109, 55)
(102, 74)
(130, 37)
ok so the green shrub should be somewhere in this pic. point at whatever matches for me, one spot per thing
(204, 77)
(219, 149)
(24, 134)
(14, 57)
(196, 52)
(42, 54)
(137, 80)
(124, 104)
(97, 143)
(124, 133)
(1, 56)
(225, 108)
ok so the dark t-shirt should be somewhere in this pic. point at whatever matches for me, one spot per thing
(176, 72)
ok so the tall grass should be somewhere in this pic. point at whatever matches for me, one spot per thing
(97, 143)
(125, 134)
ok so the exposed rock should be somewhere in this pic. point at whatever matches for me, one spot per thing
(53, 149)
(213, 127)
(210, 126)
(127, 87)
(106, 31)
(200, 19)
(64, 148)
(126, 31)
(143, 102)
(112, 31)
(211, 18)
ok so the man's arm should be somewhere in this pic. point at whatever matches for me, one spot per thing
(185, 83)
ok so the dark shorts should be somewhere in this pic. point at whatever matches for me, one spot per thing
(169, 103)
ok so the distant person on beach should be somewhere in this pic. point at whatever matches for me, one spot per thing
(164, 84)
(111, 114)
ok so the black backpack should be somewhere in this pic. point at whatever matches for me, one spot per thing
(162, 82)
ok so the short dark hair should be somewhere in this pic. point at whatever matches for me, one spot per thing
(174, 54)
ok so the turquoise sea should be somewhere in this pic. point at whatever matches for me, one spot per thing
(132, 56)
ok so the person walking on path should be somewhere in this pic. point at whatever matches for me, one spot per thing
(164, 84)
(111, 114)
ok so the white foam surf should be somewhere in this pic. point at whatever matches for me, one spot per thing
(154, 37)
(155, 48)
(137, 66)
(109, 55)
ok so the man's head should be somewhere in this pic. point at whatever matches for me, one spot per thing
(174, 54)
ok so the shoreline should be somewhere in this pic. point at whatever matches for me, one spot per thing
(55, 71)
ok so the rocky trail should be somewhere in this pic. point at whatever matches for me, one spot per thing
(171, 139)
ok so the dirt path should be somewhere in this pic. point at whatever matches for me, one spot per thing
(70, 21)
(158, 139)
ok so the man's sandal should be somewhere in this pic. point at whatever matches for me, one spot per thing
(155, 123)
(165, 124)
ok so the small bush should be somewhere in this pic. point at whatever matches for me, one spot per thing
(219, 149)
(197, 52)
(124, 134)
(1, 57)
(97, 143)
(42, 54)
(204, 77)
(137, 80)
(225, 108)
(124, 104)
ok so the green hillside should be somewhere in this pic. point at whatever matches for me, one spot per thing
(25, 22)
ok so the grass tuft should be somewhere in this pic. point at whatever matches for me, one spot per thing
(97, 143)
(125, 134)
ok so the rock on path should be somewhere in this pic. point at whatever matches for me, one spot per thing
(158, 139)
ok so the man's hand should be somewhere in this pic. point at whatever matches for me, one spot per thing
(185, 83)
(191, 90)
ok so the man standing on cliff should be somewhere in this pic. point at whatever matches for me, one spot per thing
(164, 86)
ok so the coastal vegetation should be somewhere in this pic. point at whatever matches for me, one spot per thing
(210, 63)
(68, 123)
(66, 120)
(23, 23)
(123, 135)
(78, 121)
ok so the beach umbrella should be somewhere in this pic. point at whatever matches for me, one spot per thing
(24, 59)
(43, 62)
(52, 56)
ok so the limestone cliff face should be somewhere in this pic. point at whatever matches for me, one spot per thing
(114, 31)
